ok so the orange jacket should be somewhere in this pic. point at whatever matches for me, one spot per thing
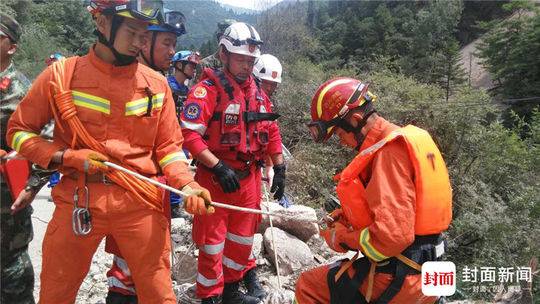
(112, 104)
(389, 193)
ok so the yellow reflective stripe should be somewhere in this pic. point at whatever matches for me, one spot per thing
(19, 138)
(139, 106)
(91, 102)
(368, 249)
(171, 157)
(326, 89)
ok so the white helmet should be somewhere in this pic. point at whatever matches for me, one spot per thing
(241, 38)
(268, 67)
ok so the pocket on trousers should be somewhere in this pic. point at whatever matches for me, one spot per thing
(198, 233)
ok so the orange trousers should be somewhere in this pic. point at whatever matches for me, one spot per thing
(312, 287)
(142, 236)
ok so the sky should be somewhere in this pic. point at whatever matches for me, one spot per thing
(251, 4)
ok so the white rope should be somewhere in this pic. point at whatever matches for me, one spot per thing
(183, 194)
(272, 235)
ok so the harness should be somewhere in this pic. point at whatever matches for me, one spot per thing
(346, 290)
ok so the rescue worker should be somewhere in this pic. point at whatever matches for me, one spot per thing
(213, 61)
(229, 129)
(268, 70)
(184, 64)
(17, 273)
(107, 107)
(396, 202)
(156, 54)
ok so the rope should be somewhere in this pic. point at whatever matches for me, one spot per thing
(273, 243)
(183, 194)
(64, 110)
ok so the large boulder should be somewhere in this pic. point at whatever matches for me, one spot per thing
(292, 254)
(297, 220)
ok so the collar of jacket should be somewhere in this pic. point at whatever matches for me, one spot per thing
(109, 68)
(381, 128)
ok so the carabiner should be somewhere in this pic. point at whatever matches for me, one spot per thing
(81, 219)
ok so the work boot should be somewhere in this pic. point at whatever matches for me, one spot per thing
(231, 295)
(211, 300)
(253, 285)
(119, 298)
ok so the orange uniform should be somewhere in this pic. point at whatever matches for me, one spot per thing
(380, 198)
(129, 110)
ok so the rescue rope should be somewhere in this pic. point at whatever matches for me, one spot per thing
(183, 194)
(273, 242)
(62, 101)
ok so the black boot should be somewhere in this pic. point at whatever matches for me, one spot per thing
(119, 298)
(253, 285)
(231, 295)
(211, 300)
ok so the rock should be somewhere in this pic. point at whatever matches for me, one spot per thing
(293, 254)
(299, 220)
(257, 245)
(281, 296)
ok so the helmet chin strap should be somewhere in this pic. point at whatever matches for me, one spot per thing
(120, 59)
(358, 135)
(151, 62)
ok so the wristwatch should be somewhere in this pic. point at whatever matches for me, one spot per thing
(33, 183)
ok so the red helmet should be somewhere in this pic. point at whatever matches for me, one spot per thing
(145, 10)
(332, 102)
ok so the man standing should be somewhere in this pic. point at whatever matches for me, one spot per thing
(229, 129)
(156, 54)
(17, 272)
(107, 107)
(396, 201)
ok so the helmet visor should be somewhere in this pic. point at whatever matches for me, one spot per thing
(146, 10)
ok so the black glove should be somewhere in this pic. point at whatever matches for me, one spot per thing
(226, 177)
(278, 183)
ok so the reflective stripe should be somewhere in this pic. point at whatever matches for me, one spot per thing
(170, 158)
(244, 240)
(140, 106)
(199, 128)
(122, 264)
(232, 264)
(114, 282)
(207, 282)
(368, 249)
(213, 249)
(19, 138)
(91, 102)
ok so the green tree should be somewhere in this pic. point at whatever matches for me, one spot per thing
(511, 53)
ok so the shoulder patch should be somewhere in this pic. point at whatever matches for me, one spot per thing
(192, 111)
(200, 92)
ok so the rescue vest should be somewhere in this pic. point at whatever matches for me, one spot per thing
(433, 190)
(241, 121)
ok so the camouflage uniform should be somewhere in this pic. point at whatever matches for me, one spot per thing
(211, 61)
(16, 231)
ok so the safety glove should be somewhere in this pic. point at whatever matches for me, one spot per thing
(341, 238)
(278, 183)
(197, 200)
(85, 160)
(226, 177)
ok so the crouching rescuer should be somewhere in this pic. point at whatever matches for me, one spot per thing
(396, 200)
